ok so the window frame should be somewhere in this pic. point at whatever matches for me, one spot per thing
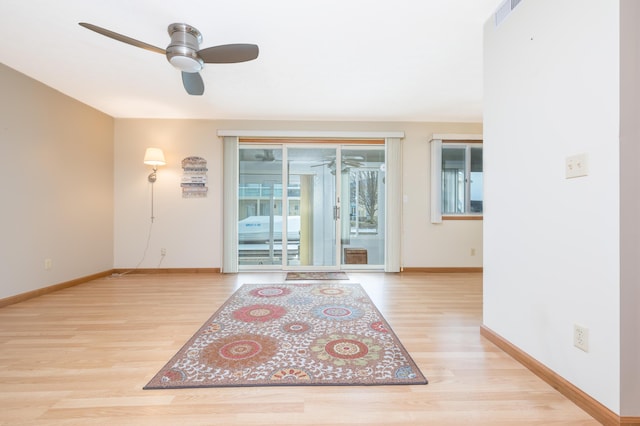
(437, 143)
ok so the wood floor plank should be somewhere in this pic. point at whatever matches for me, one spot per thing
(81, 355)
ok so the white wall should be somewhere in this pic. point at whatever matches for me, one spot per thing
(56, 169)
(190, 229)
(551, 244)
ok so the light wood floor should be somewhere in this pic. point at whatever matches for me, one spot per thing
(81, 356)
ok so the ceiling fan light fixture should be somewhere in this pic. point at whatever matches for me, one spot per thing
(182, 52)
(186, 63)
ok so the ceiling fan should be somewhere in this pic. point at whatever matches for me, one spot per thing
(266, 155)
(185, 54)
(348, 162)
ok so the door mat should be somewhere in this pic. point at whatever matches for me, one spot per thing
(316, 276)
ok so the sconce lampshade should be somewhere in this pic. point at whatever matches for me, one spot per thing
(154, 157)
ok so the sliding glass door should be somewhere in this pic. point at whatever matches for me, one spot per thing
(311, 206)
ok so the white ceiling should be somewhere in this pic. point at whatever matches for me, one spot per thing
(384, 60)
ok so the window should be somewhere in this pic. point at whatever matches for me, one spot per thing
(461, 180)
(457, 181)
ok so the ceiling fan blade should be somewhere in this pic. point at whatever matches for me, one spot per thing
(325, 163)
(193, 83)
(122, 38)
(229, 53)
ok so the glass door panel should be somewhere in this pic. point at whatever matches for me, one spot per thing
(260, 197)
(363, 195)
(313, 209)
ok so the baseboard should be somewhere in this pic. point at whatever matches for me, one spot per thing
(50, 289)
(578, 397)
(444, 270)
(167, 271)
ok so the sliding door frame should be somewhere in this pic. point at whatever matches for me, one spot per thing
(393, 187)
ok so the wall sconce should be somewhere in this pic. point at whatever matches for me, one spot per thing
(154, 157)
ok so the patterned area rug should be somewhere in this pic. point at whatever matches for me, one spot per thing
(292, 334)
(316, 276)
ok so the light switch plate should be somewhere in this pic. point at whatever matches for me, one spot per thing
(576, 166)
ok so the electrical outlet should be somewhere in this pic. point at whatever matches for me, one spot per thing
(473, 252)
(163, 252)
(48, 264)
(581, 337)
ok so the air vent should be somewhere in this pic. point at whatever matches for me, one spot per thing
(504, 10)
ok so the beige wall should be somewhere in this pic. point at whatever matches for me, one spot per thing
(75, 190)
(56, 168)
(630, 208)
(190, 229)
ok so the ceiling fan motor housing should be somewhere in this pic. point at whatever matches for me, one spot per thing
(182, 52)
